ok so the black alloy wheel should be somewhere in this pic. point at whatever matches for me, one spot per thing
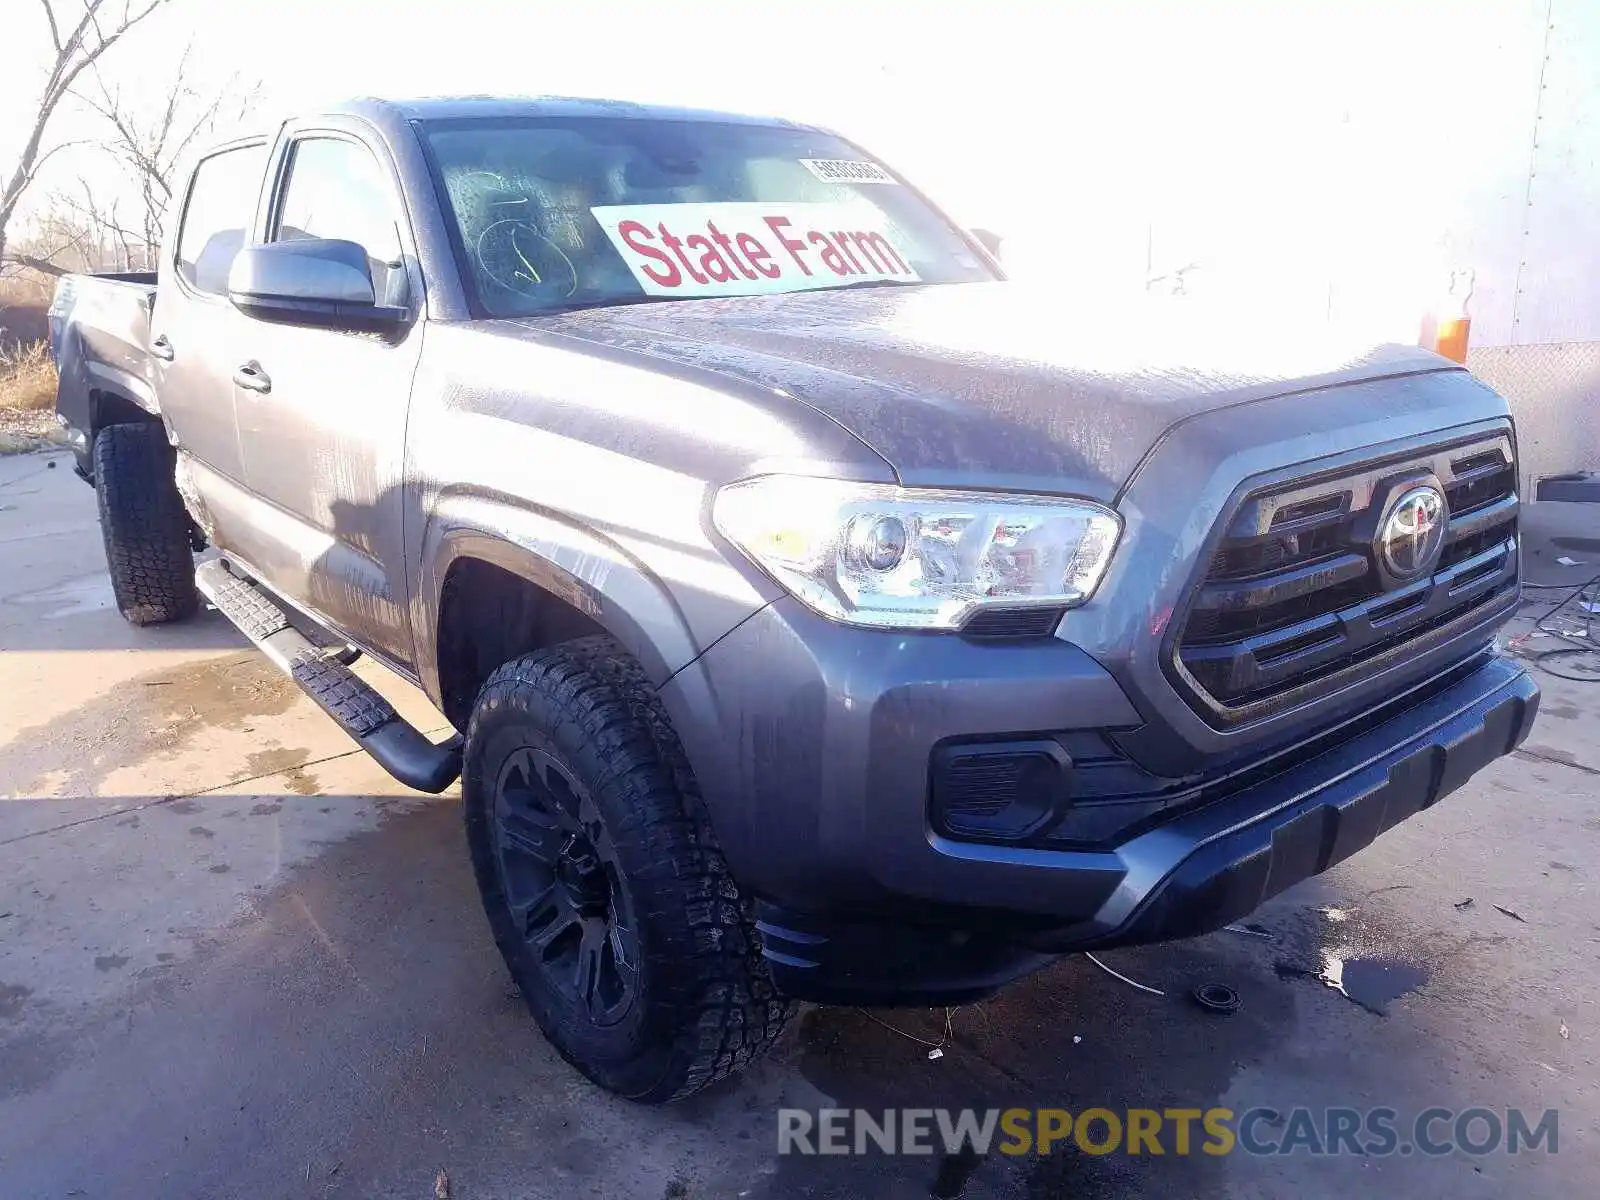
(564, 885)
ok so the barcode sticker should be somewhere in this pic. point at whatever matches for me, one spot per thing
(843, 170)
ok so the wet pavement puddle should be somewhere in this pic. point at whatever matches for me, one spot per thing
(1372, 982)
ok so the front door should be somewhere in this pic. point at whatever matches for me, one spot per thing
(322, 413)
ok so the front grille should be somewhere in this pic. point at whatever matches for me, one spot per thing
(1293, 592)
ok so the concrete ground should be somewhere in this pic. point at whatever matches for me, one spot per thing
(237, 960)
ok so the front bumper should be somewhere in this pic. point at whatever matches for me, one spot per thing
(812, 744)
(1212, 866)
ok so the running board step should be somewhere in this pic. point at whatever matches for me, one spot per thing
(397, 745)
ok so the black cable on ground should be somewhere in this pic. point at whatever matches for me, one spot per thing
(1579, 642)
(1541, 661)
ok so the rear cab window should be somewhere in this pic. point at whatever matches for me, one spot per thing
(218, 214)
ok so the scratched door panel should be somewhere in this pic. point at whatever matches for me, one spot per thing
(324, 452)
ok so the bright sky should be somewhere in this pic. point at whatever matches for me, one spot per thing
(1297, 141)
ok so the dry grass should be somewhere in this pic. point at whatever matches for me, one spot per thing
(24, 289)
(27, 378)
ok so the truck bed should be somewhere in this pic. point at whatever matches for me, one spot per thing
(100, 340)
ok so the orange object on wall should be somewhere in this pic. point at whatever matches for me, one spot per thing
(1451, 334)
(1451, 338)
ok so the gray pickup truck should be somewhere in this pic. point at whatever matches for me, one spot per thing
(823, 616)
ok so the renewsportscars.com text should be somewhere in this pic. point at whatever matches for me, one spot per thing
(1176, 1131)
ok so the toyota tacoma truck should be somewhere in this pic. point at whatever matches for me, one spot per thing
(823, 616)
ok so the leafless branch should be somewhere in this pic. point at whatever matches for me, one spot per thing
(38, 163)
(151, 142)
(89, 40)
(102, 239)
(72, 243)
(55, 30)
(87, 210)
(42, 265)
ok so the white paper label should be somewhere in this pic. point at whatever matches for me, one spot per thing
(746, 248)
(844, 170)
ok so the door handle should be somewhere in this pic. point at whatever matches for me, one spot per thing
(162, 348)
(252, 378)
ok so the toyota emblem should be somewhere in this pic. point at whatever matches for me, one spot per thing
(1412, 533)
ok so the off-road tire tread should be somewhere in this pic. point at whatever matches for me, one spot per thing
(728, 1011)
(144, 525)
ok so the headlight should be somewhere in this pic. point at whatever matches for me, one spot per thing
(906, 558)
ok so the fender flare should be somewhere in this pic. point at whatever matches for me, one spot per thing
(595, 575)
(103, 377)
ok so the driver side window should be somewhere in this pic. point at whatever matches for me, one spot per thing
(336, 189)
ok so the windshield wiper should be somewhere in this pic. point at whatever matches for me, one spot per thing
(870, 283)
(620, 301)
(608, 302)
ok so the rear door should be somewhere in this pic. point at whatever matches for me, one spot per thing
(193, 326)
(322, 413)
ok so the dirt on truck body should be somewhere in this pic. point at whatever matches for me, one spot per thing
(821, 615)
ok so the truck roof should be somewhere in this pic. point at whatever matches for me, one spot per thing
(457, 107)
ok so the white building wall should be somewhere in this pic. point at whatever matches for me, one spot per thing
(1527, 212)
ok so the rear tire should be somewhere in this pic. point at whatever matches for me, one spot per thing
(602, 881)
(143, 522)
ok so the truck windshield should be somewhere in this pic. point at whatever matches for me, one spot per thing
(583, 212)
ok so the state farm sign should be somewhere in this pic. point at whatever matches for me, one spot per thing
(744, 248)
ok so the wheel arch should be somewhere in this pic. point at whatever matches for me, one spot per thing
(113, 406)
(97, 398)
(564, 581)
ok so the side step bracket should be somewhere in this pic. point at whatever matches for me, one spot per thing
(399, 747)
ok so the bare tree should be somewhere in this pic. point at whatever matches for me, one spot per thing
(104, 241)
(99, 26)
(57, 244)
(149, 146)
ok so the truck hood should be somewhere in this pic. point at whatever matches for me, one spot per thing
(992, 385)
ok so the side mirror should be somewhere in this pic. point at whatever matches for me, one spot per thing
(310, 281)
(989, 240)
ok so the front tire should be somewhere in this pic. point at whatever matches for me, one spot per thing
(143, 522)
(602, 881)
